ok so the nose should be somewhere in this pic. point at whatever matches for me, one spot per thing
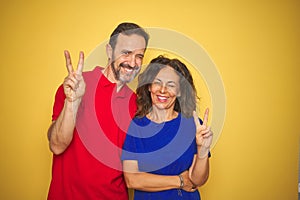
(132, 61)
(163, 88)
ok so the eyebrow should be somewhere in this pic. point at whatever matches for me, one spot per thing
(126, 51)
(130, 51)
(167, 82)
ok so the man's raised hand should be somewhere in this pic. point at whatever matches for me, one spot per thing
(74, 85)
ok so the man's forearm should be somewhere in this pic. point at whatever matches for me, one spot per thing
(60, 133)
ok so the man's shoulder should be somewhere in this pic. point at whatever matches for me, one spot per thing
(96, 71)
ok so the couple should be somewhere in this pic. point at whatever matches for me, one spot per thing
(164, 151)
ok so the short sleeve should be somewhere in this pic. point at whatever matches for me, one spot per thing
(194, 146)
(130, 146)
(58, 103)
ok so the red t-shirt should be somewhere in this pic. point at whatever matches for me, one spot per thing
(90, 168)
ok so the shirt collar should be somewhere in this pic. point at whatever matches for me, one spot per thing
(104, 82)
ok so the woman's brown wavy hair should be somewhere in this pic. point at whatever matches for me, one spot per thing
(184, 104)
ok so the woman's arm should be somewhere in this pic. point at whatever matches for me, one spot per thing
(199, 170)
(151, 182)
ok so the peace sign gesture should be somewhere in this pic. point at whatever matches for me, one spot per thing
(74, 85)
(203, 134)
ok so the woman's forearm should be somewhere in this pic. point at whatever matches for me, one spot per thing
(151, 182)
(199, 171)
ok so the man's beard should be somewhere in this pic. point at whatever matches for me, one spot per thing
(124, 78)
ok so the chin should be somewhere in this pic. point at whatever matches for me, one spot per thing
(126, 80)
(161, 107)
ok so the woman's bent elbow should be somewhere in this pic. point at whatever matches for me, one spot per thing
(130, 181)
(201, 181)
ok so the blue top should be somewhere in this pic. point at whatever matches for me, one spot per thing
(162, 148)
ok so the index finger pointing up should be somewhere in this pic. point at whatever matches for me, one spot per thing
(205, 118)
(80, 63)
(68, 62)
(196, 120)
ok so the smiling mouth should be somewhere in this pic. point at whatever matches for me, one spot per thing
(128, 70)
(162, 98)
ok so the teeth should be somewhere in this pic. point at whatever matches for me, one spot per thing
(162, 98)
(128, 70)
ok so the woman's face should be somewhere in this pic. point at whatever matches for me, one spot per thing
(165, 88)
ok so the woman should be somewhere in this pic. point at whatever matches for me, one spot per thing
(166, 150)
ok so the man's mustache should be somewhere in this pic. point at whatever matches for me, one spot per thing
(129, 66)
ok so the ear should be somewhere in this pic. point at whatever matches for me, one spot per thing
(109, 51)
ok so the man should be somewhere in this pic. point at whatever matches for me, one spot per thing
(91, 113)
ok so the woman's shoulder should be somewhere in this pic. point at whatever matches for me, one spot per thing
(190, 119)
(141, 120)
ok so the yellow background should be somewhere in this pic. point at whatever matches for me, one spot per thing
(255, 45)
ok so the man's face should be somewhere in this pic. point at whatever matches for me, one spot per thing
(127, 57)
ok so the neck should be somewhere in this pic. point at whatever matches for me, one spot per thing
(108, 73)
(159, 116)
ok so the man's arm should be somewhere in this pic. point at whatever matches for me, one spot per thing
(60, 133)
